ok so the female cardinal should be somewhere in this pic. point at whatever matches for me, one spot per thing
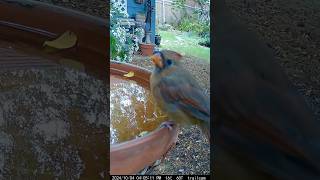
(177, 93)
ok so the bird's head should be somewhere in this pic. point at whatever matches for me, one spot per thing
(165, 59)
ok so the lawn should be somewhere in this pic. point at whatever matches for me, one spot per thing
(185, 43)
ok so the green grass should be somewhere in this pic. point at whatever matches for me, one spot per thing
(184, 43)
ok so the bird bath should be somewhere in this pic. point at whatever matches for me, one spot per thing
(82, 151)
(131, 156)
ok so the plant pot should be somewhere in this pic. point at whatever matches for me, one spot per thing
(146, 49)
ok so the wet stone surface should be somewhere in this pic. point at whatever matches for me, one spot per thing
(53, 124)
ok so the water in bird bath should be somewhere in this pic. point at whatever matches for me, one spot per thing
(53, 124)
(53, 120)
(132, 110)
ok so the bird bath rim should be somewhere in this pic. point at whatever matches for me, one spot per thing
(132, 156)
(33, 22)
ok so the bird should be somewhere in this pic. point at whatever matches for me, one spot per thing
(262, 128)
(177, 93)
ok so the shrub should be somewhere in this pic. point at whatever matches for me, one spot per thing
(205, 41)
(122, 43)
(198, 21)
(164, 27)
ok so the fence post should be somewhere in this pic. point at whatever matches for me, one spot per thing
(163, 13)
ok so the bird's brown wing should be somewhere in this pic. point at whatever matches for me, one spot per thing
(182, 94)
(261, 123)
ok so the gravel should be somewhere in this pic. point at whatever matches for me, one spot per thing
(291, 28)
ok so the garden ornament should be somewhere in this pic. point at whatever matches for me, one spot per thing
(263, 128)
(177, 93)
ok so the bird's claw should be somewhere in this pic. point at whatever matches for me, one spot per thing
(167, 124)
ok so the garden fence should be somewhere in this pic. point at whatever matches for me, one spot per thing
(165, 12)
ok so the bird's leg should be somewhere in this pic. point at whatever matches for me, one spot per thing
(167, 124)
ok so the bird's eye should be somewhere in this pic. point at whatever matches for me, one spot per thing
(169, 62)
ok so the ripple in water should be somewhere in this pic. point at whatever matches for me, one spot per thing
(132, 110)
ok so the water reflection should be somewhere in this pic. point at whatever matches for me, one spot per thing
(132, 110)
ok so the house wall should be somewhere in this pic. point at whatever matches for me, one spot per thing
(133, 8)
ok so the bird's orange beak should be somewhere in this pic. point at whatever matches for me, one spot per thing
(156, 59)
